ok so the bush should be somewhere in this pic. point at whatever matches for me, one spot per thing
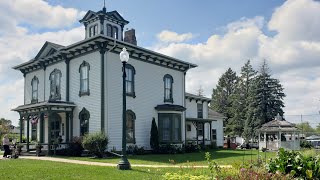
(75, 147)
(154, 136)
(190, 148)
(176, 176)
(295, 164)
(170, 149)
(135, 150)
(96, 143)
(306, 144)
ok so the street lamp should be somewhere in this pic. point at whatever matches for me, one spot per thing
(124, 163)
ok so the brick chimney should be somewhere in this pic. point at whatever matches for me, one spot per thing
(130, 36)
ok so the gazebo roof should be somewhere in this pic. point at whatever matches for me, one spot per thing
(278, 125)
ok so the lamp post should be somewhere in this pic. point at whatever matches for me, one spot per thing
(124, 163)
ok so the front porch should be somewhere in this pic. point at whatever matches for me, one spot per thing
(48, 123)
(199, 131)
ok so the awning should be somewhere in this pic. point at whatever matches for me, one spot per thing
(56, 106)
(169, 107)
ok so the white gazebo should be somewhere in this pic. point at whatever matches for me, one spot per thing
(279, 134)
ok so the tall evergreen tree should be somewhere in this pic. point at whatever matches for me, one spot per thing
(265, 101)
(240, 98)
(221, 96)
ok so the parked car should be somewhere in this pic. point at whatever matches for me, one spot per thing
(249, 145)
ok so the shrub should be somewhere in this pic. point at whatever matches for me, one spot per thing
(154, 137)
(176, 176)
(135, 150)
(75, 147)
(189, 148)
(305, 144)
(295, 164)
(96, 143)
(170, 149)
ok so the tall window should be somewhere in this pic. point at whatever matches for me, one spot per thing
(55, 127)
(168, 80)
(34, 85)
(200, 110)
(131, 117)
(93, 30)
(169, 127)
(109, 30)
(200, 127)
(214, 134)
(115, 32)
(55, 80)
(84, 78)
(130, 72)
(84, 117)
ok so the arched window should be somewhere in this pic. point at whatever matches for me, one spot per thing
(130, 72)
(55, 81)
(115, 32)
(131, 117)
(109, 30)
(34, 86)
(84, 78)
(84, 117)
(168, 80)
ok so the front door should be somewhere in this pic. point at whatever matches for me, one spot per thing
(55, 127)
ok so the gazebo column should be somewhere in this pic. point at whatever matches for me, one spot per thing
(28, 129)
(265, 139)
(279, 140)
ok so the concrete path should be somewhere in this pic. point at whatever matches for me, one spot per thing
(110, 164)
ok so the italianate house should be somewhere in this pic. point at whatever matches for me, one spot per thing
(77, 89)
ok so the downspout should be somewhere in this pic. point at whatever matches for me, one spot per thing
(106, 85)
(184, 101)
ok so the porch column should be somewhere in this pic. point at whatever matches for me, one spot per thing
(71, 125)
(49, 133)
(41, 122)
(203, 142)
(210, 131)
(265, 139)
(28, 129)
(67, 126)
(20, 137)
(197, 132)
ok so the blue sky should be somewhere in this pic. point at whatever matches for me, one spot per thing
(215, 35)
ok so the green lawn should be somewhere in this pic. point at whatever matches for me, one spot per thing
(35, 169)
(222, 157)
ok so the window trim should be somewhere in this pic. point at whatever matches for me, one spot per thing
(111, 28)
(84, 112)
(172, 129)
(82, 92)
(115, 32)
(58, 95)
(92, 29)
(133, 93)
(167, 76)
(133, 124)
(32, 90)
(200, 105)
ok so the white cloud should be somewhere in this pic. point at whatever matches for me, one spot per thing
(37, 13)
(293, 53)
(169, 36)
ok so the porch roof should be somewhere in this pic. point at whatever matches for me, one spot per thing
(45, 106)
(199, 120)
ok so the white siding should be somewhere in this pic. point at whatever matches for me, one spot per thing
(149, 93)
(218, 125)
(92, 102)
(28, 88)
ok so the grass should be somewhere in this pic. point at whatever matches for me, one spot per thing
(222, 157)
(35, 169)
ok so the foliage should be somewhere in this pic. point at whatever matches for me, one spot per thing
(135, 150)
(215, 170)
(96, 143)
(154, 137)
(265, 101)
(190, 148)
(74, 148)
(221, 96)
(254, 174)
(5, 126)
(305, 144)
(295, 164)
(170, 149)
(306, 128)
(177, 176)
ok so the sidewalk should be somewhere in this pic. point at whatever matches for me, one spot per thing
(110, 164)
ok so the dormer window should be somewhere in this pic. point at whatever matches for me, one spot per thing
(115, 32)
(112, 31)
(93, 30)
(34, 85)
(109, 30)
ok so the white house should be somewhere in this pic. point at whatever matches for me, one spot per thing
(77, 89)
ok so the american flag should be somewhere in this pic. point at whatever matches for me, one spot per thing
(34, 120)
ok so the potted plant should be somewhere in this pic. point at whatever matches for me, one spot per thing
(19, 149)
(38, 149)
